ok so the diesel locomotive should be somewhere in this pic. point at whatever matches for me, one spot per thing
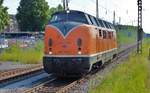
(75, 42)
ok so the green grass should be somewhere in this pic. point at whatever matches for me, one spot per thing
(132, 76)
(126, 34)
(23, 55)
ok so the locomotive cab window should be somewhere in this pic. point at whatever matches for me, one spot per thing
(88, 19)
(93, 21)
(104, 34)
(71, 16)
(106, 24)
(101, 23)
(110, 26)
(100, 33)
(97, 22)
(110, 35)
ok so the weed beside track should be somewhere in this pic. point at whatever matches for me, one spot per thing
(131, 77)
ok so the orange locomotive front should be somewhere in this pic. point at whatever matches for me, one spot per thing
(75, 42)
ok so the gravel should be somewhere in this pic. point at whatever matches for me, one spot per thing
(5, 66)
(97, 78)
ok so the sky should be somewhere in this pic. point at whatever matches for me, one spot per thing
(124, 9)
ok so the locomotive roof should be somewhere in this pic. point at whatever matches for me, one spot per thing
(69, 11)
(98, 21)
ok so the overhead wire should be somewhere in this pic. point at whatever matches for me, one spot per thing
(108, 11)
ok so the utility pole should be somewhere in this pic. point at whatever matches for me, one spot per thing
(140, 29)
(97, 9)
(119, 20)
(65, 4)
(67, 7)
(114, 18)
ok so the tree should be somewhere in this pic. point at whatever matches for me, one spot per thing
(58, 8)
(52, 10)
(4, 17)
(32, 15)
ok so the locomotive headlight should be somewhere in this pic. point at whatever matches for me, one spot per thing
(79, 44)
(68, 11)
(50, 53)
(79, 52)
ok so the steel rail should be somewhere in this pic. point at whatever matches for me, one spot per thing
(5, 76)
(64, 89)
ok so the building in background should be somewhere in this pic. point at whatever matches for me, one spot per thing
(13, 25)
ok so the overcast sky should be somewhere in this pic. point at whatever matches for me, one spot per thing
(126, 9)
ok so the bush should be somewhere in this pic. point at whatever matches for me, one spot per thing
(130, 77)
(31, 55)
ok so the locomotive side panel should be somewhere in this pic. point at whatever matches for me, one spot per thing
(106, 45)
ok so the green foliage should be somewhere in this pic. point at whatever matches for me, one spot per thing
(52, 10)
(126, 34)
(4, 17)
(58, 8)
(132, 76)
(27, 55)
(32, 15)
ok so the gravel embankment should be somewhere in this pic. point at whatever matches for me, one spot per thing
(97, 78)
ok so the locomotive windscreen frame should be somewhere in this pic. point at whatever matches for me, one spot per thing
(69, 16)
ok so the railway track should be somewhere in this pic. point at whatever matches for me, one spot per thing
(57, 86)
(7, 76)
(52, 86)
